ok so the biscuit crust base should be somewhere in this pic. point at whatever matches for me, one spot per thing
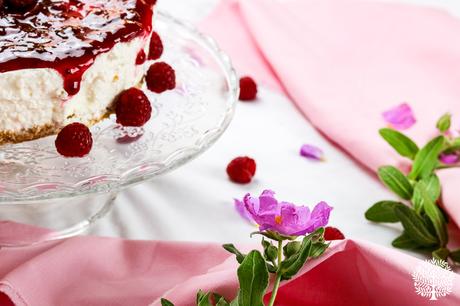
(39, 131)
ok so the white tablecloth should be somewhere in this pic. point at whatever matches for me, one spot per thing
(194, 203)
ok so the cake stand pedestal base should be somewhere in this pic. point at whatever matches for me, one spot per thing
(30, 222)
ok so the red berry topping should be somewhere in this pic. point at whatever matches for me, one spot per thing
(248, 89)
(21, 5)
(160, 77)
(74, 140)
(332, 233)
(241, 170)
(141, 57)
(156, 47)
(133, 108)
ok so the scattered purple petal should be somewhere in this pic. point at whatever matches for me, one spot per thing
(400, 117)
(449, 159)
(312, 152)
(282, 217)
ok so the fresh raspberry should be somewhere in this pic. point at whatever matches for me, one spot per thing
(141, 57)
(74, 140)
(133, 108)
(160, 77)
(156, 47)
(248, 89)
(241, 170)
(20, 5)
(332, 233)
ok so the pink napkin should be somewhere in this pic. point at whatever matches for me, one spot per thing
(95, 271)
(344, 62)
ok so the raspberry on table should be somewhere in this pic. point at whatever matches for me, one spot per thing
(160, 77)
(74, 140)
(332, 233)
(248, 89)
(133, 108)
(242, 169)
(156, 47)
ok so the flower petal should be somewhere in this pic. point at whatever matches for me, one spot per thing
(449, 159)
(312, 152)
(241, 209)
(400, 117)
(319, 217)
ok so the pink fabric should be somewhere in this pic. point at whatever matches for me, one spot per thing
(95, 271)
(344, 62)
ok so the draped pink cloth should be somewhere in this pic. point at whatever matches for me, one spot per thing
(344, 62)
(95, 271)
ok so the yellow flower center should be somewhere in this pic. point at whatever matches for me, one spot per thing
(278, 220)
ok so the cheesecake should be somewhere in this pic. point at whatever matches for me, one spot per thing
(65, 61)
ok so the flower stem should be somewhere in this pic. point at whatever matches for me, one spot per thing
(276, 285)
(448, 167)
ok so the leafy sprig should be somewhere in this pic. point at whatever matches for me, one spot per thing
(424, 223)
(282, 256)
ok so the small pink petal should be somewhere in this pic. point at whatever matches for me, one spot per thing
(449, 159)
(400, 117)
(312, 152)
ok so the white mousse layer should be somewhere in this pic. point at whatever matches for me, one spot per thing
(33, 98)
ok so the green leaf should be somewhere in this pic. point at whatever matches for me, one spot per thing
(414, 226)
(405, 242)
(441, 253)
(232, 249)
(383, 211)
(433, 212)
(400, 142)
(234, 302)
(455, 145)
(455, 255)
(292, 265)
(222, 302)
(253, 278)
(202, 299)
(271, 268)
(444, 123)
(291, 248)
(433, 188)
(426, 159)
(318, 248)
(270, 251)
(165, 302)
(396, 181)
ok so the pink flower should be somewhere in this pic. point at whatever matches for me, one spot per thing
(282, 217)
(400, 117)
(312, 152)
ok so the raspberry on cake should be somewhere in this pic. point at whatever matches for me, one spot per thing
(64, 61)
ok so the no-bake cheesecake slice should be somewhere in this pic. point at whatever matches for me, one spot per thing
(66, 61)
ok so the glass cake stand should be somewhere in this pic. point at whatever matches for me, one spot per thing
(44, 196)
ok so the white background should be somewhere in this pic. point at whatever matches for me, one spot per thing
(194, 203)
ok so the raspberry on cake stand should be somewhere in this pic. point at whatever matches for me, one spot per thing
(45, 196)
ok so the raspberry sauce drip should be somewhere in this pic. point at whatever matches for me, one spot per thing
(67, 35)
